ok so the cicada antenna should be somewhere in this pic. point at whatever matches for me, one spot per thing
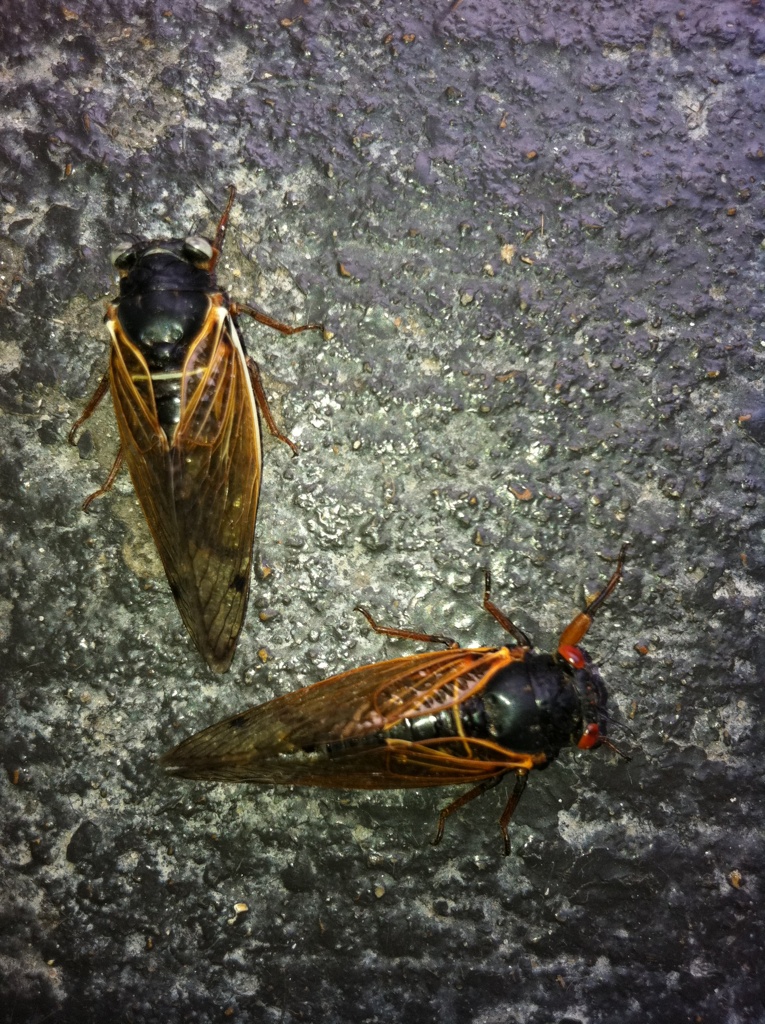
(612, 746)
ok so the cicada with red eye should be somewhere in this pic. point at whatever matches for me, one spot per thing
(435, 719)
(186, 397)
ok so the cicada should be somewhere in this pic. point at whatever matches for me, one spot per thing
(186, 397)
(433, 719)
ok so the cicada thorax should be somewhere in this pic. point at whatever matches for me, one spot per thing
(528, 711)
(542, 704)
(171, 314)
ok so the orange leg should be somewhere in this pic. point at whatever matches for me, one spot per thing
(90, 408)
(576, 630)
(260, 398)
(108, 485)
(407, 634)
(517, 634)
(220, 233)
(521, 775)
(263, 318)
(512, 802)
(466, 798)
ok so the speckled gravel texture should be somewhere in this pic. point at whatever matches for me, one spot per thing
(534, 231)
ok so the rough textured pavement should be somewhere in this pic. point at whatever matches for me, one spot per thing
(535, 238)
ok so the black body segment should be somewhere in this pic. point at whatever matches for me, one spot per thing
(532, 706)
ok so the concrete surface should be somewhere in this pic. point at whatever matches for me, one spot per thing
(536, 239)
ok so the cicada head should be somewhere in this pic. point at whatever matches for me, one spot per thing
(195, 249)
(164, 264)
(592, 694)
(541, 703)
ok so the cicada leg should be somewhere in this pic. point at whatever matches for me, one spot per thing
(90, 408)
(576, 630)
(116, 466)
(237, 309)
(220, 233)
(260, 398)
(268, 321)
(517, 634)
(407, 634)
(521, 777)
(455, 805)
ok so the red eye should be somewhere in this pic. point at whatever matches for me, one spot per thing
(572, 655)
(590, 737)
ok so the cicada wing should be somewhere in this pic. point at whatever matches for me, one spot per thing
(199, 490)
(384, 764)
(426, 691)
(218, 466)
(333, 733)
(144, 444)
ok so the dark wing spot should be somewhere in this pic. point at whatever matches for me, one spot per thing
(240, 582)
(175, 590)
(238, 722)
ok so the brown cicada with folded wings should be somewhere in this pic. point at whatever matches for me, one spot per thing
(433, 719)
(186, 397)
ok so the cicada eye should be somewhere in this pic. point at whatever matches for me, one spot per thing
(123, 256)
(198, 248)
(573, 655)
(590, 737)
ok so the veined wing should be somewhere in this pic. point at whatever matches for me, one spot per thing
(388, 764)
(335, 729)
(199, 491)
